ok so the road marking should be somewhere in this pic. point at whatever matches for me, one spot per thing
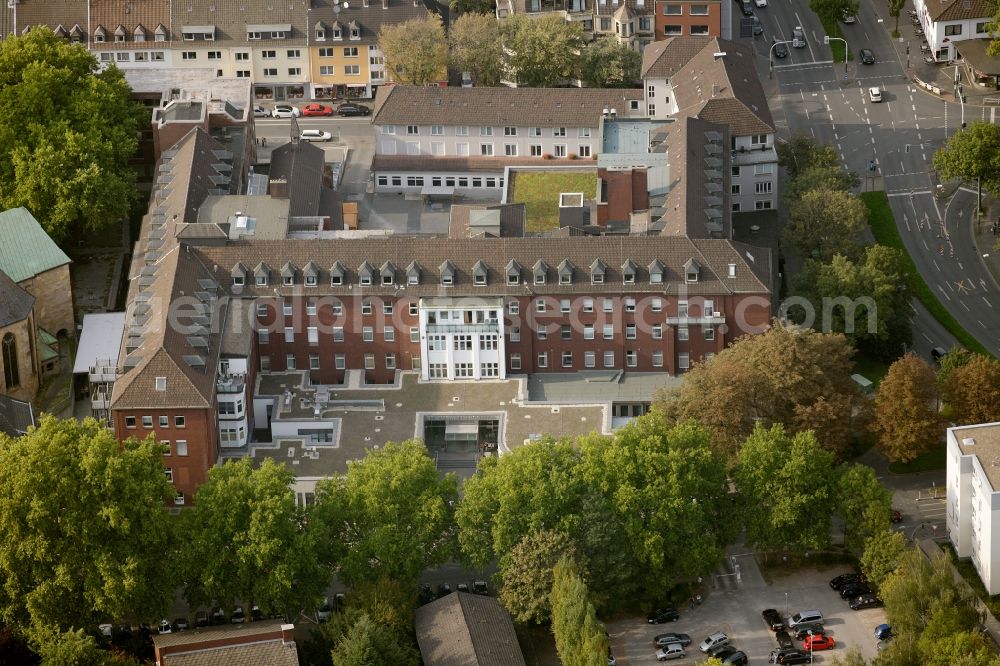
(965, 306)
(906, 221)
(960, 266)
(924, 156)
(944, 293)
(935, 263)
(981, 323)
(987, 302)
(926, 337)
(914, 108)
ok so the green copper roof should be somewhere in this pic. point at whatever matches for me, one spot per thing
(25, 249)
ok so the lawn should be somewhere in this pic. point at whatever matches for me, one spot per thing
(836, 46)
(883, 225)
(870, 368)
(540, 191)
(933, 459)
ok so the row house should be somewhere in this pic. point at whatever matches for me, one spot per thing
(715, 80)
(693, 18)
(960, 30)
(464, 138)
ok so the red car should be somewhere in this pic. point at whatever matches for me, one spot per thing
(316, 109)
(818, 642)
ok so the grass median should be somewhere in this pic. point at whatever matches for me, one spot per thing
(883, 226)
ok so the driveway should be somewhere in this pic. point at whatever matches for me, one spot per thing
(736, 611)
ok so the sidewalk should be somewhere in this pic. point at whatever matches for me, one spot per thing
(985, 237)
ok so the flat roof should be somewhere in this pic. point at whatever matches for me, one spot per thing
(982, 441)
(100, 339)
(598, 386)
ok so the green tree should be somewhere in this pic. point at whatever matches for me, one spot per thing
(972, 391)
(907, 420)
(862, 503)
(607, 63)
(831, 11)
(824, 223)
(67, 648)
(542, 52)
(466, 7)
(67, 131)
(918, 590)
(821, 177)
(852, 658)
(367, 643)
(753, 381)
(386, 601)
(868, 300)
(881, 556)
(246, 540)
(389, 516)
(526, 574)
(787, 487)
(895, 7)
(802, 152)
(972, 153)
(475, 46)
(83, 529)
(580, 638)
(955, 358)
(416, 51)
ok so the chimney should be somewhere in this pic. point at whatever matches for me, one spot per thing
(288, 634)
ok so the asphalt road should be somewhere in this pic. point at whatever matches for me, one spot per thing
(809, 93)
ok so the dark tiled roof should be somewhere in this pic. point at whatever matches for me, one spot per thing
(267, 653)
(501, 106)
(961, 10)
(232, 18)
(662, 59)
(466, 630)
(300, 164)
(131, 14)
(369, 19)
(687, 141)
(714, 255)
(15, 302)
(15, 416)
(53, 13)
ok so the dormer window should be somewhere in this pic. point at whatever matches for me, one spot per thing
(387, 279)
(480, 279)
(120, 33)
(320, 35)
(239, 275)
(628, 272)
(238, 280)
(366, 280)
(413, 273)
(513, 273)
(288, 280)
(99, 35)
(336, 280)
(261, 280)
(539, 270)
(160, 35)
(338, 33)
(566, 272)
(628, 278)
(139, 34)
(310, 280)
(388, 273)
(512, 279)
(311, 274)
(539, 278)
(691, 270)
(656, 270)
(447, 273)
(479, 273)
(597, 271)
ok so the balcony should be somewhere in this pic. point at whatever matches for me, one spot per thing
(485, 327)
(102, 374)
(230, 384)
(715, 319)
(100, 399)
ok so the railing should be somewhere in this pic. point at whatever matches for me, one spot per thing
(231, 384)
(485, 327)
(715, 319)
(100, 400)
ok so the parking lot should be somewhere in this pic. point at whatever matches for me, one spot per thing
(735, 609)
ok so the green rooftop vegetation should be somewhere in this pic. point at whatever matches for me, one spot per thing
(540, 190)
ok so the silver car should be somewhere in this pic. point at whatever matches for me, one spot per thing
(713, 641)
(285, 111)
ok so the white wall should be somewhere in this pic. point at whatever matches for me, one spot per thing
(463, 141)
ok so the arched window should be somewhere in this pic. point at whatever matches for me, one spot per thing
(8, 349)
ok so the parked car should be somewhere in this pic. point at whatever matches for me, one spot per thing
(737, 658)
(781, 50)
(238, 617)
(875, 94)
(351, 109)
(757, 28)
(747, 8)
(722, 651)
(324, 611)
(849, 18)
(181, 624)
(315, 135)
(802, 618)
(218, 615)
(462, 587)
(716, 639)
(772, 619)
(865, 601)
(260, 112)
(425, 595)
(664, 639)
(938, 353)
(818, 642)
(201, 619)
(256, 614)
(285, 111)
(611, 658)
(165, 627)
(883, 632)
(895, 516)
(317, 109)
(854, 590)
(789, 657)
(760, 3)
(867, 57)
(480, 587)
(663, 614)
(784, 640)
(670, 651)
(444, 589)
(802, 632)
(842, 580)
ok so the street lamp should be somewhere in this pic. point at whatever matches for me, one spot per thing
(810, 646)
(827, 39)
(786, 604)
(770, 58)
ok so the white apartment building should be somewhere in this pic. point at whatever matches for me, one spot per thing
(715, 80)
(462, 338)
(973, 518)
(948, 23)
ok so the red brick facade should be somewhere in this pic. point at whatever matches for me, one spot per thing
(686, 20)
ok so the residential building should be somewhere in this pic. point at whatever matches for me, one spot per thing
(715, 80)
(268, 642)
(21, 371)
(95, 367)
(138, 36)
(630, 22)
(955, 29)
(693, 18)
(973, 480)
(467, 629)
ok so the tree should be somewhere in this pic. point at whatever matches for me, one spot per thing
(466, 7)
(475, 46)
(83, 530)
(895, 7)
(786, 484)
(580, 638)
(389, 516)
(542, 52)
(367, 643)
(607, 63)
(246, 540)
(755, 379)
(821, 177)
(868, 300)
(862, 503)
(416, 51)
(67, 131)
(917, 590)
(955, 358)
(972, 391)
(824, 223)
(907, 420)
(881, 555)
(972, 153)
(526, 574)
(802, 152)
(852, 658)
(831, 11)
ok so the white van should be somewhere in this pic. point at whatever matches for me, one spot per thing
(805, 617)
